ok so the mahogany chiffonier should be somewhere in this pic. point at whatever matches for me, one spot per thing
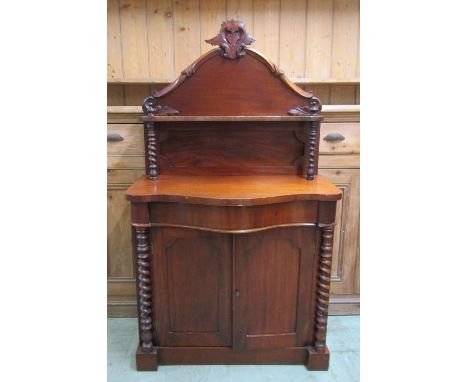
(232, 226)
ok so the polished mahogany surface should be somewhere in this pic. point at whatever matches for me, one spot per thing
(238, 190)
(232, 226)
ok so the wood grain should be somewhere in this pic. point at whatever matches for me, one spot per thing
(241, 190)
(194, 284)
(212, 13)
(266, 27)
(134, 38)
(342, 94)
(186, 33)
(276, 266)
(331, 113)
(115, 95)
(345, 45)
(319, 40)
(157, 39)
(292, 50)
(346, 247)
(350, 144)
(132, 142)
(160, 25)
(114, 40)
(119, 244)
(241, 9)
(234, 219)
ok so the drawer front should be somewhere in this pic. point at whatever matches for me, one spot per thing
(125, 139)
(123, 176)
(339, 138)
(233, 219)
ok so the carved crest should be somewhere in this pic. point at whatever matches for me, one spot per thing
(232, 38)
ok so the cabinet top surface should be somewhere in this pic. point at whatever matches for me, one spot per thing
(235, 190)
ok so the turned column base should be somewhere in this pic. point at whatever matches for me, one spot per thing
(317, 361)
(147, 361)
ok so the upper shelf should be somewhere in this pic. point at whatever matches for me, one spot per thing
(230, 118)
(331, 113)
(159, 81)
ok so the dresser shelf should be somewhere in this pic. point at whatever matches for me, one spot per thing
(230, 118)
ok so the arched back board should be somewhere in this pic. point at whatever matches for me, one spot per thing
(232, 112)
(231, 79)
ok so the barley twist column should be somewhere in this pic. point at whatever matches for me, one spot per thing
(144, 288)
(325, 263)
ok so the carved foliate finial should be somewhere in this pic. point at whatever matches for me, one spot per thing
(232, 38)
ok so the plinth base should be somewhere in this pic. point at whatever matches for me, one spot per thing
(149, 361)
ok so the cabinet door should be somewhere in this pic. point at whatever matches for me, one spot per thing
(274, 273)
(192, 288)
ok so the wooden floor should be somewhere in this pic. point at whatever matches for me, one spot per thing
(342, 339)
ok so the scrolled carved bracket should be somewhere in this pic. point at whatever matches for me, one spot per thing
(232, 38)
(314, 108)
(150, 107)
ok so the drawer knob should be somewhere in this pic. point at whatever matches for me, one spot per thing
(114, 137)
(334, 137)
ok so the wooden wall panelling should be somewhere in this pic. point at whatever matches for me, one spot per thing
(339, 161)
(186, 33)
(120, 162)
(134, 38)
(121, 291)
(292, 50)
(157, 39)
(160, 24)
(321, 91)
(115, 95)
(342, 94)
(125, 176)
(241, 9)
(114, 45)
(345, 46)
(119, 261)
(135, 94)
(319, 39)
(266, 30)
(212, 13)
(357, 283)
